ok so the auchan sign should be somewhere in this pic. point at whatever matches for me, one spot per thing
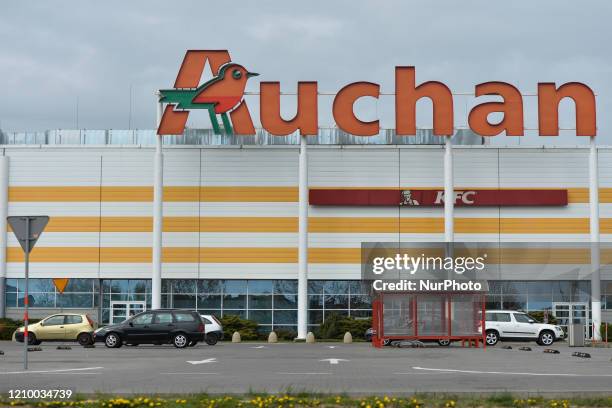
(223, 98)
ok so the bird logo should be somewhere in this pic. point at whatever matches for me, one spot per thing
(220, 95)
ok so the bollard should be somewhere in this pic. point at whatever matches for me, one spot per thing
(581, 355)
(551, 351)
(348, 338)
(310, 337)
(272, 338)
(236, 337)
(525, 348)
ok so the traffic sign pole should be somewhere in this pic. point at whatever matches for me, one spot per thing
(27, 229)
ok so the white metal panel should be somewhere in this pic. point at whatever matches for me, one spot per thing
(125, 270)
(475, 167)
(248, 209)
(48, 269)
(334, 271)
(248, 271)
(56, 167)
(126, 209)
(61, 239)
(605, 167)
(249, 167)
(347, 240)
(421, 167)
(58, 209)
(543, 168)
(127, 167)
(248, 239)
(182, 167)
(353, 167)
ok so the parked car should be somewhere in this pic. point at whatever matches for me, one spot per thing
(213, 330)
(510, 324)
(60, 327)
(162, 326)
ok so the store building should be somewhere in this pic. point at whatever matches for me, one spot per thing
(230, 227)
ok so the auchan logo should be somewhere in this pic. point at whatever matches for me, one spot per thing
(223, 98)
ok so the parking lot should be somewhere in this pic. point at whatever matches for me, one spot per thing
(323, 367)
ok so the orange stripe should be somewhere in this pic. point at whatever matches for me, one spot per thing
(249, 194)
(248, 224)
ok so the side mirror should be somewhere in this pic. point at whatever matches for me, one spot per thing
(42, 323)
(532, 321)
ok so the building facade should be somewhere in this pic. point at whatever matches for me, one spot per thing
(230, 241)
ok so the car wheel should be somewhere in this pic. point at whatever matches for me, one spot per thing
(444, 342)
(112, 340)
(32, 339)
(180, 340)
(492, 337)
(192, 343)
(546, 338)
(84, 339)
(211, 339)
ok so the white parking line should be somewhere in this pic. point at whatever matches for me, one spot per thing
(302, 373)
(65, 371)
(448, 370)
(189, 373)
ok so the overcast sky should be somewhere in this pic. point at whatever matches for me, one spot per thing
(54, 53)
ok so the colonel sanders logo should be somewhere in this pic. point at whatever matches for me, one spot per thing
(407, 198)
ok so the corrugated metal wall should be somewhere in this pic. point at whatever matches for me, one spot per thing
(231, 212)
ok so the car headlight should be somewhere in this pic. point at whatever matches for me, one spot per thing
(558, 328)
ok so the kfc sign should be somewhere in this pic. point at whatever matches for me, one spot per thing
(222, 96)
(435, 198)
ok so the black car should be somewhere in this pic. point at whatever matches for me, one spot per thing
(161, 326)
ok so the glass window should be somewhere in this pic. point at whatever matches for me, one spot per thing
(240, 313)
(315, 301)
(287, 286)
(235, 286)
(11, 285)
(315, 316)
(139, 286)
(209, 301)
(11, 299)
(494, 302)
(261, 316)
(285, 301)
(361, 302)
(502, 317)
(285, 317)
(76, 300)
(234, 301)
(39, 299)
(336, 302)
(510, 287)
(260, 301)
(522, 318)
(184, 317)
(37, 285)
(359, 287)
(54, 320)
(315, 287)
(361, 313)
(495, 287)
(184, 301)
(163, 317)
(539, 288)
(145, 318)
(73, 319)
(206, 320)
(119, 286)
(210, 286)
(514, 302)
(79, 285)
(336, 287)
(260, 286)
(183, 286)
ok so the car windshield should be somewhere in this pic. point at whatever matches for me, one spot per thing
(523, 318)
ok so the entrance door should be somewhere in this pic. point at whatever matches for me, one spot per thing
(122, 310)
(567, 313)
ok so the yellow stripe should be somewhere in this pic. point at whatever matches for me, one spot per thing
(248, 255)
(329, 225)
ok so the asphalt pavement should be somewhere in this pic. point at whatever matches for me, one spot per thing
(354, 368)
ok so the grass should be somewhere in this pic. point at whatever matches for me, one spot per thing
(295, 400)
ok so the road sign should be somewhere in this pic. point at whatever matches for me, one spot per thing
(27, 229)
(20, 224)
(60, 284)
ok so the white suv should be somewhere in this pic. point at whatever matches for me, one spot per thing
(509, 324)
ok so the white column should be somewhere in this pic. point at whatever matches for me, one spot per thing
(302, 241)
(158, 213)
(4, 183)
(594, 224)
(449, 193)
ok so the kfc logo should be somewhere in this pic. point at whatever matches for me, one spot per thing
(407, 198)
(461, 197)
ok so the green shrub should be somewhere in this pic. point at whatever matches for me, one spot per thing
(8, 327)
(246, 328)
(335, 325)
(286, 334)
